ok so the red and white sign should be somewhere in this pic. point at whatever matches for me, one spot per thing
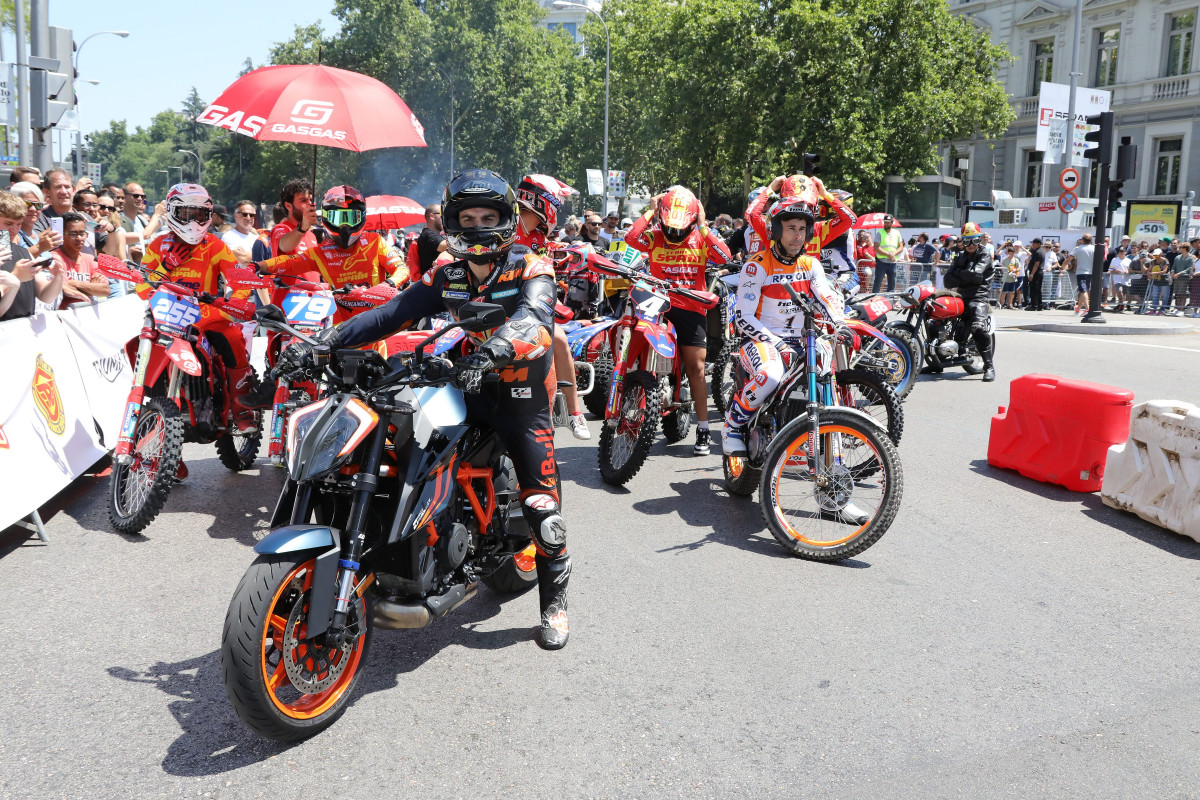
(1047, 206)
(1068, 179)
(1068, 202)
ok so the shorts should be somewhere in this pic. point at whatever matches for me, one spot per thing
(691, 327)
(1084, 283)
(1009, 286)
(1181, 286)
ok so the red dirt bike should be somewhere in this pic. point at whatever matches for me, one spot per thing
(181, 392)
(935, 321)
(648, 381)
(308, 307)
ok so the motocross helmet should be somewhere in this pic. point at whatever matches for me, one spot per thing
(189, 211)
(344, 212)
(754, 193)
(789, 208)
(678, 213)
(480, 188)
(801, 187)
(543, 195)
(971, 234)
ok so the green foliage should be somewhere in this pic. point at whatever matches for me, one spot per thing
(720, 95)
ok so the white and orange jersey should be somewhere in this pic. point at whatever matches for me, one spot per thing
(765, 312)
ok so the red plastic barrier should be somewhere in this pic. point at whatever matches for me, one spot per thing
(1057, 430)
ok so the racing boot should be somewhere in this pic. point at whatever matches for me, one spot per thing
(243, 415)
(850, 514)
(553, 576)
(733, 434)
(989, 374)
(261, 396)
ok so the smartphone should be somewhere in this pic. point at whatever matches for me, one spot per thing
(56, 225)
(42, 261)
(4, 239)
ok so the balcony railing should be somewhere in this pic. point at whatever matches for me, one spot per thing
(1177, 87)
(1025, 107)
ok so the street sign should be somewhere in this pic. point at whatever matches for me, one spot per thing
(595, 181)
(1068, 202)
(1068, 179)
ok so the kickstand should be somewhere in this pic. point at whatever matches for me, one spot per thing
(36, 525)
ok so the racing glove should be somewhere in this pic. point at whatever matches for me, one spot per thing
(471, 369)
(299, 355)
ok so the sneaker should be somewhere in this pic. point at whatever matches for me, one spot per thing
(555, 629)
(733, 441)
(1076, 309)
(703, 440)
(579, 428)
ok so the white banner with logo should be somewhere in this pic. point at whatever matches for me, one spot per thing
(1054, 103)
(50, 432)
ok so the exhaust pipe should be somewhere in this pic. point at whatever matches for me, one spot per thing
(393, 616)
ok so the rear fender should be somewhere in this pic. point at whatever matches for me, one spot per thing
(325, 542)
(863, 329)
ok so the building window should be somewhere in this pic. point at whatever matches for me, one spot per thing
(1043, 63)
(1167, 155)
(569, 27)
(1106, 56)
(1179, 47)
(1033, 173)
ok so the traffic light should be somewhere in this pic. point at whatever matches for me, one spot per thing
(1114, 195)
(1102, 136)
(1126, 159)
(811, 160)
(52, 81)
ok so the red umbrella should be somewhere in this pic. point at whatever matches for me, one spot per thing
(875, 221)
(315, 104)
(385, 212)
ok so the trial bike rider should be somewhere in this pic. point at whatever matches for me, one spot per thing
(679, 247)
(767, 316)
(971, 274)
(480, 215)
(539, 198)
(345, 256)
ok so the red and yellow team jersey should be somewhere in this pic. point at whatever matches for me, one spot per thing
(367, 261)
(681, 264)
(839, 221)
(196, 266)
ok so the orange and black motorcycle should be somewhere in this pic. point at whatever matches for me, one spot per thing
(394, 509)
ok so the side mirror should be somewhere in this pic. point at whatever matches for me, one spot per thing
(474, 316)
(270, 313)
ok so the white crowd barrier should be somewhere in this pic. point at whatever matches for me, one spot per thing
(66, 377)
(1156, 473)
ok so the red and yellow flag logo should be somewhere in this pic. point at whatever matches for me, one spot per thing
(3, 440)
(47, 398)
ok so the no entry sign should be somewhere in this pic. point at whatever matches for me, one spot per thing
(1068, 179)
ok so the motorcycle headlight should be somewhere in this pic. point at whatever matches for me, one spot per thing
(323, 435)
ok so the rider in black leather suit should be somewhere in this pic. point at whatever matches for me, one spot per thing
(971, 274)
(480, 215)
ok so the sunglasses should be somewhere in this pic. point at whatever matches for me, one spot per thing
(244, 213)
(136, 196)
(108, 208)
(34, 204)
(592, 224)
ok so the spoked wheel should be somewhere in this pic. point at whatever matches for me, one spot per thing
(517, 573)
(827, 513)
(868, 392)
(624, 447)
(138, 490)
(678, 423)
(740, 478)
(721, 382)
(281, 684)
(899, 369)
(237, 451)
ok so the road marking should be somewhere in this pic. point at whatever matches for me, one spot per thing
(1105, 339)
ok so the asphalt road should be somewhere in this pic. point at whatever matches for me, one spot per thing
(1005, 639)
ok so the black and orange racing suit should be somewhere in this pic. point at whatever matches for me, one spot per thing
(683, 265)
(518, 407)
(369, 260)
(199, 267)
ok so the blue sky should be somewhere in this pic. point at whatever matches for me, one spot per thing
(171, 47)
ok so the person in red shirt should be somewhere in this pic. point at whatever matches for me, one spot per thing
(679, 247)
(81, 281)
(294, 234)
(192, 256)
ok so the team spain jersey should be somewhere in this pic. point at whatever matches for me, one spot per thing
(367, 261)
(682, 264)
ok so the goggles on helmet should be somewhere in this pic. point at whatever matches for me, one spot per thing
(186, 214)
(343, 217)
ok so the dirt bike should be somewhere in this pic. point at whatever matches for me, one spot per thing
(648, 382)
(394, 510)
(180, 393)
(934, 319)
(589, 350)
(828, 475)
(897, 356)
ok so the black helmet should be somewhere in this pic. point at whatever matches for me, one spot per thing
(479, 188)
(344, 212)
(789, 208)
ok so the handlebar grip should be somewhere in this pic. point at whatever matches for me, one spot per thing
(491, 377)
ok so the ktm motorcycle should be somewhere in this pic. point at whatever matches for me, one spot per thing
(934, 319)
(648, 382)
(395, 508)
(181, 393)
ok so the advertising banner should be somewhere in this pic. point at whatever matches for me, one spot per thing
(98, 334)
(1152, 220)
(1054, 101)
(595, 181)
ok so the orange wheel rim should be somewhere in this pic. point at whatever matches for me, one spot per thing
(526, 560)
(796, 455)
(275, 638)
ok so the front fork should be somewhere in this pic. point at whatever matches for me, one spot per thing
(617, 389)
(123, 452)
(279, 416)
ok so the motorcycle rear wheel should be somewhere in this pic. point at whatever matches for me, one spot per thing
(871, 394)
(904, 368)
(721, 383)
(847, 514)
(284, 686)
(624, 447)
(741, 479)
(139, 490)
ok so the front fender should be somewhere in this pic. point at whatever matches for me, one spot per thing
(660, 339)
(291, 538)
(295, 538)
(801, 421)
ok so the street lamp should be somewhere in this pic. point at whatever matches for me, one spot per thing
(560, 5)
(199, 167)
(79, 124)
(450, 83)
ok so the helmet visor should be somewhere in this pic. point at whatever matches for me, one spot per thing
(343, 217)
(188, 214)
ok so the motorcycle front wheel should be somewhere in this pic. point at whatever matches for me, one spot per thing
(624, 446)
(138, 490)
(830, 513)
(283, 685)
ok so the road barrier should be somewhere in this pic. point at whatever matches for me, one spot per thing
(1156, 473)
(1057, 430)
